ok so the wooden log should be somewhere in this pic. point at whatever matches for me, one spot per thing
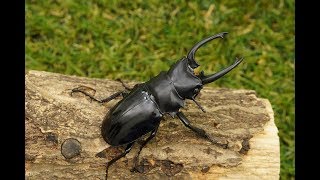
(234, 116)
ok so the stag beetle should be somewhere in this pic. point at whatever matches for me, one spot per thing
(141, 110)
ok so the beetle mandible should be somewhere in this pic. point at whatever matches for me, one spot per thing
(142, 109)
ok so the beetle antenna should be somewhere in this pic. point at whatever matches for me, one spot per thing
(192, 52)
(202, 109)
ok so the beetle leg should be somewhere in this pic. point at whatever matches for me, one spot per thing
(113, 96)
(127, 150)
(202, 109)
(199, 131)
(136, 158)
(124, 85)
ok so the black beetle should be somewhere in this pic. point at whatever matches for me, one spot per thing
(141, 110)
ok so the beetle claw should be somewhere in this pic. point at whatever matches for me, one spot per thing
(222, 34)
(192, 52)
(213, 77)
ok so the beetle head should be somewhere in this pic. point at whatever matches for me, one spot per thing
(187, 84)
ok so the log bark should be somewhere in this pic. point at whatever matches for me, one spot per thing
(238, 117)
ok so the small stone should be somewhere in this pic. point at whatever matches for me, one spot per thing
(70, 148)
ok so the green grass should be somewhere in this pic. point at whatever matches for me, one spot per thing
(136, 40)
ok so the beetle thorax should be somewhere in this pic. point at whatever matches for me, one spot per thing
(184, 80)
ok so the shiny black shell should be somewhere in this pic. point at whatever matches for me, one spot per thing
(131, 118)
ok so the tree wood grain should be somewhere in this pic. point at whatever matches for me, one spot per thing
(234, 116)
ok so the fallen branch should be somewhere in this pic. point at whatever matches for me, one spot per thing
(236, 116)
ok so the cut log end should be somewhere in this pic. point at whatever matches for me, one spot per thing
(238, 117)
